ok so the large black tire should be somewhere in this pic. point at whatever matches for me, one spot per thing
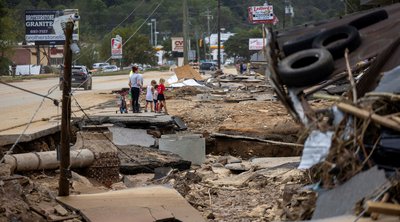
(369, 19)
(302, 43)
(337, 39)
(306, 67)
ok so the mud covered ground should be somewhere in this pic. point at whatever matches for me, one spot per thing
(220, 194)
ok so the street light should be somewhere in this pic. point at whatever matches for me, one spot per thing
(151, 32)
(155, 31)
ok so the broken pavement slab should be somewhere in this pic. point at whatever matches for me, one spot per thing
(145, 160)
(126, 136)
(235, 180)
(155, 203)
(190, 147)
(262, 163)
(36, 130)
(133, 119)
(342, 200)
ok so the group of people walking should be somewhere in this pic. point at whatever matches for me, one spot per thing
(154, 93)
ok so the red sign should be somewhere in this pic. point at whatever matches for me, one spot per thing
(116, 47)
(262, 15)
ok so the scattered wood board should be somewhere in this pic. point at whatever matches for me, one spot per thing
(187, 72)
(364, 114)
(383, 208)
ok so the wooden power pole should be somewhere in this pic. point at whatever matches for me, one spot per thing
(63, 186)
(219, 34)
(185, 33)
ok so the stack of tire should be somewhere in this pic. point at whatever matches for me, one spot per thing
(310, 58)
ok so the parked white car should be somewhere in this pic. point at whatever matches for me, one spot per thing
(100, 65)
(110, 68)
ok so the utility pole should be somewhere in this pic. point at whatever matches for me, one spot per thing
(197, 46)
(185, 33)
(219, 34)
(155, 31)
(209, 16)
(151, 32)
(37, 55)
(63, 189)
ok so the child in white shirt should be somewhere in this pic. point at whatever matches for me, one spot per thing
(149, 95)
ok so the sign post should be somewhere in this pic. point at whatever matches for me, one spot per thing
(116, 49)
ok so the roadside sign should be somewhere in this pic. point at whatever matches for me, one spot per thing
(177, 44)
(256, 44)
(261, 14)
(116, 47)
(44, 27)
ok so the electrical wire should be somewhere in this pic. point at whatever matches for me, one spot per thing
(151, 14)
(112, 142)
(140, 4)
(51, 90)
(130, 37)
(55, 101)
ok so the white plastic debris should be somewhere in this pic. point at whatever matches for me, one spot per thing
(316, 148)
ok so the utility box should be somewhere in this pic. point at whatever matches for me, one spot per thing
(191, 147)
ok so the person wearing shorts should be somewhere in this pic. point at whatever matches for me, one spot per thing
(161, 97)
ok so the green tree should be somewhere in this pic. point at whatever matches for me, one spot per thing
(238, 45)
(136, 50)
(7, 37)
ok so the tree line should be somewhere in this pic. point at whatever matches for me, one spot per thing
(100, 17)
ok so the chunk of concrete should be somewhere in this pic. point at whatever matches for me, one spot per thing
(125, 136)
(161, 172)
(228, 159)
(270, 162)
(245, 166)
(136, 159)
(191, 147)
(60, 210)
(236, 180)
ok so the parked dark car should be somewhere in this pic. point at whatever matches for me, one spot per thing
(81, 78)
(207, 66)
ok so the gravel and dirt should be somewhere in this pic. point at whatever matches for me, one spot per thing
(220, 194)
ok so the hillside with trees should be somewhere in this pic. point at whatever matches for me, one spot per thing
(100, 17)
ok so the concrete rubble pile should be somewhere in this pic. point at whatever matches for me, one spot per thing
(351, 148)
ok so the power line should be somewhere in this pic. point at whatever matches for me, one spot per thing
(112, 142)
(51, 90)
(145, 21)
(55, 101)
(115, 26)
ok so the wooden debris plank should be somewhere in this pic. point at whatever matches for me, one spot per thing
(256, 139)
(364, 114)
(383, 208)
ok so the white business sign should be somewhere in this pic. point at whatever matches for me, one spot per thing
(214, 39)
(256, 44)
(116, 47)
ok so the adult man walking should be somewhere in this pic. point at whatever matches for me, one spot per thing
(135, 83)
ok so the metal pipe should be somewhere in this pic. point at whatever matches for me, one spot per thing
(47, 160)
